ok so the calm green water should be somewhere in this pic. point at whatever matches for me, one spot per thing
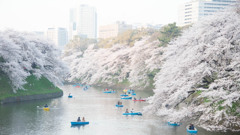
(98, 108)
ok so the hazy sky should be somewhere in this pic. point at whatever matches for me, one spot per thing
(38, 15)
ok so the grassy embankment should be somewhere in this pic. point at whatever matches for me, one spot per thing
(33, 87)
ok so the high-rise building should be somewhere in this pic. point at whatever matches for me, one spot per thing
(113, 30)
(72, 24)
(83, 22)
(193, 11)
(58, 36)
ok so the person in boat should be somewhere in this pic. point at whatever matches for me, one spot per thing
(78, 120)
(140, 98)
(69, 94)
(132, 110)
(46, 106)
(191, 127)
(118, 102)
(126, 111)
(135, 98)
(83, 119)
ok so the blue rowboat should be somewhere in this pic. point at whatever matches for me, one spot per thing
(174, 123)
(79, 123)
(136, 113)
(70, 96)
(191, 131)
(124, 95)
(109, 91)
(133, 94)
(119, 105)
(126, 98)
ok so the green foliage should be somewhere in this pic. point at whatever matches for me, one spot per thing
(220, 102)
(206, 81)
(233, 110)
(33, 87)
(128, 37)
(220, 107)
(168, 33)
(206, 100)
(1, 59)
(152, 74)
(199, 92)
(125, 82)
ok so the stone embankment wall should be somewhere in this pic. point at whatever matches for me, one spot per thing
(31, 97)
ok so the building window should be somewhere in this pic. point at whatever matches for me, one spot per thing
(209, 11)
(188, 8)
(215, 4)
(228, 1)
(188, 19)
(188, 12)
(214, 7)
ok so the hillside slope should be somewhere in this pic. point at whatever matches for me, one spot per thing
(34, 86)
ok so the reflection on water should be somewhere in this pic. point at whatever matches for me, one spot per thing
(97, 107)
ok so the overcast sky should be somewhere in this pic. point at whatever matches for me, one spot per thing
(38, 15)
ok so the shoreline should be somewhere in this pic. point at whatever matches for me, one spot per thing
(31, 97)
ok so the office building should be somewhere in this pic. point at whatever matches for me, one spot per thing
(113, 30)
(193, 11)
(83, 22)
(58, 36)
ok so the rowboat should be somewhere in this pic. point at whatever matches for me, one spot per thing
(136, 113)
(126, 98)
(46, 108)
(109, 92)
(173, 123)
(140, 100)
(119, 105)
(194, 131)
(79, 123)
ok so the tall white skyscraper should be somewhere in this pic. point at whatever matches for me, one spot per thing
(58, 36)
(72, 24)
(83, 22)
(193, 11)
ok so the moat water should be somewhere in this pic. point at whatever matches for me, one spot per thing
(28, 118)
